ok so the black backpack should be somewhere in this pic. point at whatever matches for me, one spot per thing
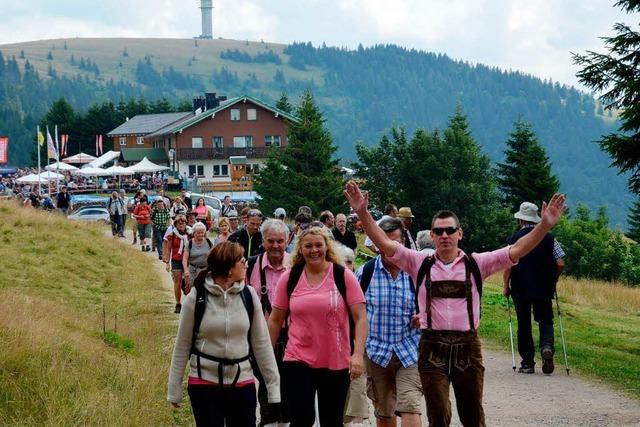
(208, 243)
(201, 303)
(338, 277)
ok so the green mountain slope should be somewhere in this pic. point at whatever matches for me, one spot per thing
(363, 92)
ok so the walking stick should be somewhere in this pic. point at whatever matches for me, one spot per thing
(513, 354)
(564, 346)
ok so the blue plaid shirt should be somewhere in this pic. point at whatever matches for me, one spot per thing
(390, 305)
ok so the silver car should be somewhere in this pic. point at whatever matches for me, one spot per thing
(213, 203)
(91, 213)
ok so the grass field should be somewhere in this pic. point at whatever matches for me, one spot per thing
(57, 368)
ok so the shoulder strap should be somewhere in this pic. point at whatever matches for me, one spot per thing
(209, 242)
(338, 277)
(422, 272)
(367, 274)
(247, 300)
(201, 303)
(475, 271)
(251, 262)
(294, 277)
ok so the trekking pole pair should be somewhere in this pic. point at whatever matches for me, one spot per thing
(564, 345)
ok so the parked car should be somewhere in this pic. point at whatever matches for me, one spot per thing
(213, 203)
(90, 213)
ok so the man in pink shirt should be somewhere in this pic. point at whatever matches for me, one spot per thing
(449, 304)
(263, 274)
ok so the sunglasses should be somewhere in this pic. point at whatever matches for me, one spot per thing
(439, 230)
(255, 213)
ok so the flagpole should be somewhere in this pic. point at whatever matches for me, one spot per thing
(57, 162)
(38, 148)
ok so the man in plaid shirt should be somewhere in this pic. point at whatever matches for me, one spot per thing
(160, 218)
(392, 344)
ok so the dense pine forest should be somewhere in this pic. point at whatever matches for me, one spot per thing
(362, 92)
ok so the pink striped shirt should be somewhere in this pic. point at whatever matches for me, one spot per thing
(450, 314)
(272, 275)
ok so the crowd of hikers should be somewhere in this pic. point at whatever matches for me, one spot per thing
(273, 316)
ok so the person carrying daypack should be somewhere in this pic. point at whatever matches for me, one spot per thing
(318, 296)
(195, 254)
(448, 293)
(222, 335)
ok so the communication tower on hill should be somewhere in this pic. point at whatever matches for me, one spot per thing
(206, 7)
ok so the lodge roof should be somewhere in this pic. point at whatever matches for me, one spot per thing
(144, 124)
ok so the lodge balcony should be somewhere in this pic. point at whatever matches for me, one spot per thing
(223, 153)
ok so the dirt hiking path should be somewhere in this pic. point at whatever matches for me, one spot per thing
(513, 400)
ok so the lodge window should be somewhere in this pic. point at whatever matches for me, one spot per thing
(140, 140)
(217, 141)
(242, 141)
(272, 140)
(123, 140)
(196, 170)
(235, 114)
(252, 114)
(220, 170)
(196, 142)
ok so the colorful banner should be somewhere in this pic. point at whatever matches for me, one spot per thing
(99, 149)
(4, 149)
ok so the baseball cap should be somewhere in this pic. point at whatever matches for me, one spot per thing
(280, 212)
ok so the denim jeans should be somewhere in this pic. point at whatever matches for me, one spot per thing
(116, 224)
(158, 235)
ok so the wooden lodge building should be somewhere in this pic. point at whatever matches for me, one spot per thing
(222, 142)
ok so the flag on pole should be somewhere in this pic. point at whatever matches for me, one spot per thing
(52, 152)
(100, 144)
(40, 138)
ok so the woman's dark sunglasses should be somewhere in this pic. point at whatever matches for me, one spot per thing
(449, 230)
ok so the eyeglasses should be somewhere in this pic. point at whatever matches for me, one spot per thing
(449, 230)
(181, 221)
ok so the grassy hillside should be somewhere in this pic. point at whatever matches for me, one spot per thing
(183, 54)
(57, 369)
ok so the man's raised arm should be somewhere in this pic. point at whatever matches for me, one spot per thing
(359, 202)
(551, 213)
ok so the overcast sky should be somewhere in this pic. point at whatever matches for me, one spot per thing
(532, 36)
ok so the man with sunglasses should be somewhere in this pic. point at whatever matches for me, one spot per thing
(250, 237)
(448, 295)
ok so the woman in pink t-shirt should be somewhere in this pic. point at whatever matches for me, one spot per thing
(318, 354)
(201, 211)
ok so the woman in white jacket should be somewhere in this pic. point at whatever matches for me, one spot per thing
(221, 383)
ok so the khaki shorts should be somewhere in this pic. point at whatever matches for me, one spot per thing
(357, 405)
(394, 390)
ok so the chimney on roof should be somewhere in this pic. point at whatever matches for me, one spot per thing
(211, 100)
(199, 102)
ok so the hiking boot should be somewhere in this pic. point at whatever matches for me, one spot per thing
(178, 308)
(526, 369)
(547, 361)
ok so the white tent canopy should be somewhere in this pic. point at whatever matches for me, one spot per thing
(118, 170)
(90, 171)
(80, 158)
(32, 179)
(146, 166)
(51, 175)
(107, 157)
(60, 166)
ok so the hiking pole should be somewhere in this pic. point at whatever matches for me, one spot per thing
(564, 346)
(513, 354)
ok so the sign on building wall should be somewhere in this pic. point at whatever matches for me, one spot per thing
(4, 149)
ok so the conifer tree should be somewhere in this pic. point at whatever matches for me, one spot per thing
(305, 172)
(634, 222)
(283, 103)
(525, 175)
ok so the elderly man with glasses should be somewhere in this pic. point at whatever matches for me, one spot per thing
(449, 288)
(250, 237)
